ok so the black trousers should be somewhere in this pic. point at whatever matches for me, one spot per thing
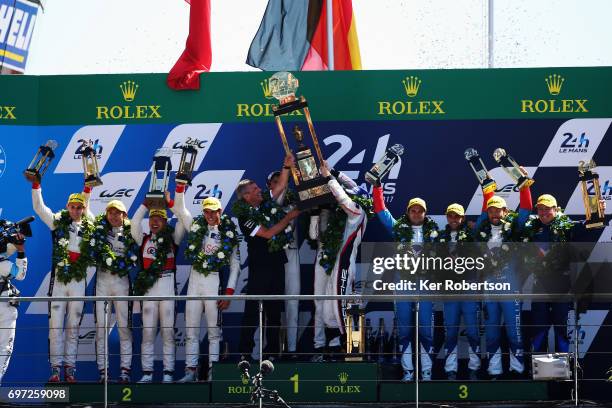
(263, 280)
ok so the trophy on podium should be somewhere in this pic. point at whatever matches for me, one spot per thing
(90, 165)
(385, 164)
(160, 171)
(39, 164)
(481, 172)
(186, 165)
(311, 186)
(512, 168)
(355, 334)
(589, 181)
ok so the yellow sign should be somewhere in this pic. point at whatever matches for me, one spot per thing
(413, 106)
(128, 93)
(554, 85)
(7, 113)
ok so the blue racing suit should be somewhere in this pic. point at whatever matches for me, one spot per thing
(506, 273)
(404, 309)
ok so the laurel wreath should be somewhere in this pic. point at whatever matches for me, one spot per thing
(100, 250)
(498, 258)
(267, 214)
(202, 262)
(403, 232)
(146, 278)
(66, 271)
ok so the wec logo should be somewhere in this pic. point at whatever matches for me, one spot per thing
(507, 188)
(200, 144)
(574, 144)
(122, 192)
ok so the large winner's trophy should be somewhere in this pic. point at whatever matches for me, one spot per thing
(481, 172)
(160, 172)
(91, 171)
(355, 334)
(312, 188)
(186, 165)
(385, 164)
(589, 180)
(39, 164)
(512, 168)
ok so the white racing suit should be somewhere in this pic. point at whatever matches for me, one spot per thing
(64, 317)
(200, 285)
(8, 310)
(318, 223)
(154, 311)
(108, 284)
(342, 277)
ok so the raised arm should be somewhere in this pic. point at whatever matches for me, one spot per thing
(179, 232)
(87, 194)
(283, 179)
(44, 212)
(179, 208)
(268, 233)
(136, 229)
(486, 195)
(383, 214)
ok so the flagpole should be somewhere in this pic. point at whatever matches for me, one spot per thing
(491, 34)
(330, 35)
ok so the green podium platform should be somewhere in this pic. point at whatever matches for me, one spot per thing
(465, 391)
(141, 393)
(301, 382)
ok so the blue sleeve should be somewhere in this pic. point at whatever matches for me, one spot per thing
(481, 218)
(387, 220)
(523, 216)
(14, 271)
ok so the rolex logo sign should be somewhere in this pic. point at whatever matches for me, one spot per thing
(126, 109)
(344, 387)
(411, 104)
(553, 104)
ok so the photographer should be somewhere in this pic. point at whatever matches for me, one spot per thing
(8, 309)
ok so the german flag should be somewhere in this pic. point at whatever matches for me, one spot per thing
(292, 36)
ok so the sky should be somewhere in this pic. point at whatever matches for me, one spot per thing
(121, 36)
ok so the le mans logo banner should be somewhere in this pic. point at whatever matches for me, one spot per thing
(412, 105)
(555, 103)
(128, 110)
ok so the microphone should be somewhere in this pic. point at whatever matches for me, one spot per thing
(244, 367)
(266, 368)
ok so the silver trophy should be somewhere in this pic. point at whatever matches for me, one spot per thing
(160, 171)
(481, 172)
(512, 168)
(90, 165)
(385, 164)
(187, 163)
(39, 164)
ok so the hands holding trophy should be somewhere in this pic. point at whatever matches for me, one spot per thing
(311, 186)
(512, 168)
(160, 172)
(589, 181)
(481, 172)
(40, 163)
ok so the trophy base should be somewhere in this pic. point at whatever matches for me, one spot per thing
(488, 186)
(182, 178)
(524, 182)
(32, 176)
(314, 193)
(155, 201)
(593, 225)
(93, 182)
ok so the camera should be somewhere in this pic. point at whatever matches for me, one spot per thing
(9, 232)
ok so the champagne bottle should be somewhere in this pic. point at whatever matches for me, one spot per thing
(381, 340)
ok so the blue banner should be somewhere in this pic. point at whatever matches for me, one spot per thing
(17, 20)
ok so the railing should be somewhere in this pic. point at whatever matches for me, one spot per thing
(570, 298)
